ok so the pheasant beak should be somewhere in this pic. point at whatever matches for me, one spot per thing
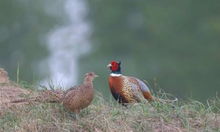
(109, 65)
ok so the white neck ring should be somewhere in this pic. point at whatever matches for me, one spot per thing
(115, 75)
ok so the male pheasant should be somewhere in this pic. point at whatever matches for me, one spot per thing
(126, 89)
(81, 96)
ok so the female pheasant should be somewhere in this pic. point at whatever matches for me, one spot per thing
(81, 96)
(126, 89)
(73, 99)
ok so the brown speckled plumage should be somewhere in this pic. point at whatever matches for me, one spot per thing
(81, 96)
(127, 89)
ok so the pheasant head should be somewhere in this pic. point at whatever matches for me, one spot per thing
(115, 67)
(89, 77)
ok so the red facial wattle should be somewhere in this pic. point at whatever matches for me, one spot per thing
(114, 66)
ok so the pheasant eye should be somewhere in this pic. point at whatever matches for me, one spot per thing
(90, 74)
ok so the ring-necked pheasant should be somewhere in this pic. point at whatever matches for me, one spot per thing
(81, 96)
(126, 89)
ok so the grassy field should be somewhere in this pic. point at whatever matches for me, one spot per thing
(108, 116)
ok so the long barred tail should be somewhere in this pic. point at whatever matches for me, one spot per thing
(46, 96)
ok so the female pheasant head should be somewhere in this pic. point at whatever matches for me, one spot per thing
(115, 67)
(90, 76)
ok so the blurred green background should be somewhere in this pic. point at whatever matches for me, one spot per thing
(174, 45)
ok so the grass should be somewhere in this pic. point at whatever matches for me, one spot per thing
(109, 116)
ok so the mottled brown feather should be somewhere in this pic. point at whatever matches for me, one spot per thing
(81, 96)
(128, 89)
(147, 95)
